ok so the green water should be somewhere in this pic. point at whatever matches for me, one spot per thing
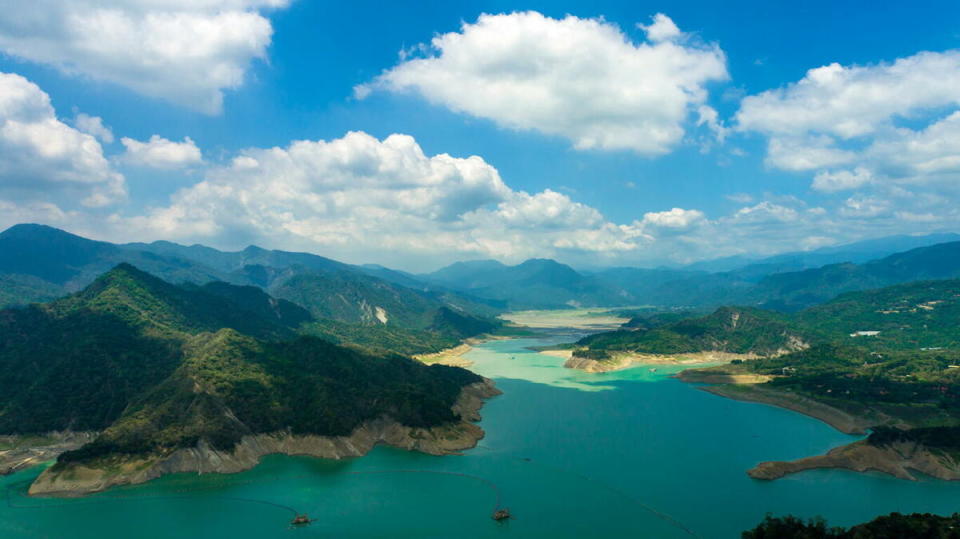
(632, 453)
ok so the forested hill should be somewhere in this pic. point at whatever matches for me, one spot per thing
(908, 316)
(159, 366)
(728, 329)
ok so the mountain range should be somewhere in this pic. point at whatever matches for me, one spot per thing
(39, 263)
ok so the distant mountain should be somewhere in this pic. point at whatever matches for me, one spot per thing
(70, 262)
(157, 368)
(857, 252)
(643, 284)
(784, 290)
(38, 263)
(470, 274)
(904, 317)
(228, 262)
(796, 290)
(534, 284)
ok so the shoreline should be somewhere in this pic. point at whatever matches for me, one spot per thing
(840, 420)
(76, 480)
(621, 361)
(26, 451)
(897, 459)
(453, 356)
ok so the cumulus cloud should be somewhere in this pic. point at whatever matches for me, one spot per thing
(677, 218)
(582, 79)
(662, 29)
(841, 180)
(848, 124)
(93, 125)
(364, 198)
(187, 52)
(159, 152)
(765, 213)
(44, 159)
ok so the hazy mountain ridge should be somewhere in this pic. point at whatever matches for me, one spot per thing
(373, 295)
(45, 262)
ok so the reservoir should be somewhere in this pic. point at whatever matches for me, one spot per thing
(629, 453)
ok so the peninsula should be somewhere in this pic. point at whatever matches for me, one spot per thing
(165, 378)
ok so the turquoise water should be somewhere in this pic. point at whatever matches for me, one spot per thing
(632, 453)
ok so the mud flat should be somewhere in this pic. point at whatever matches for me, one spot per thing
(620, 361)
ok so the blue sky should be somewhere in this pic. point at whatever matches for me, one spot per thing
(793, 161)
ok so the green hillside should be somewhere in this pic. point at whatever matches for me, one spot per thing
(912, 316)
(25, 289)
(909, 316)
(728, 329)
(158, 366)
(229, 385)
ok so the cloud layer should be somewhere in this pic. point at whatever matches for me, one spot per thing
(890, 123)
(159, 152)
(358, 194)
(582, 79)
(186, 52)
(45, 160)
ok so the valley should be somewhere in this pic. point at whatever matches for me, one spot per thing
(236, 365)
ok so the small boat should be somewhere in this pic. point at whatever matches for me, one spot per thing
(653, 370)
(501, 514)
(300, 520)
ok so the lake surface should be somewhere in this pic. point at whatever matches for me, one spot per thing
(632, 453)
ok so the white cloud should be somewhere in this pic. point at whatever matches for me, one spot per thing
(662, 29)
(741, 198)
(841, 180)
(806, 153)
(677, 218)
(183, 51)
(159, 152)
(93, 125)
(853, 118)
(849, 102)
(582, 79)
(709, 117)
(362, 198)
(931, 152)
(866, 207)
(44, 159)
(764, 213)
